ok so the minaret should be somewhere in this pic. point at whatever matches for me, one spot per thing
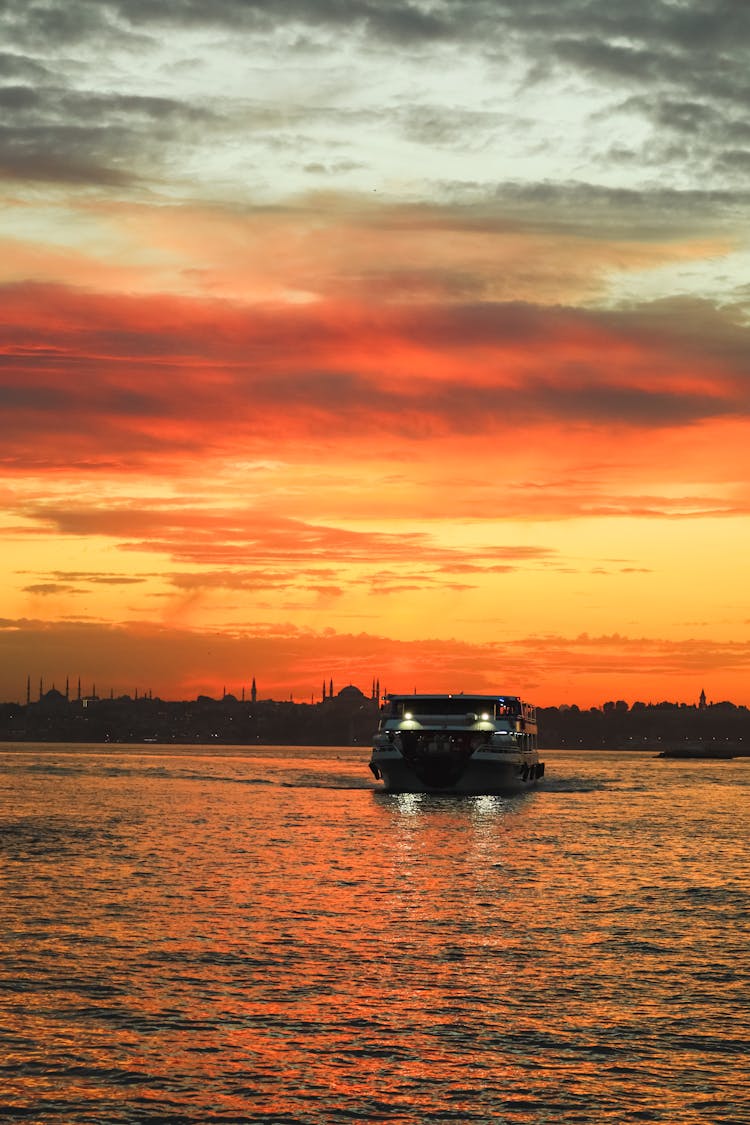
(702, 701)
(253, 692)
(79, 689)
(41, 688)
(324, 691)
(28, 690)
(67, 689)
(330, 689)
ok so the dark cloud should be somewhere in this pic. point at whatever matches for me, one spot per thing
(56, 156)
(705, 133)
(586, 401)
(735, 160)
(18, 68)
(155, 377)
(50, 133)
(633, 63)
(580, 208)
(97, 578)
(710, 24)
(682, 66)
(680, 115)
(50, 588)
(446, 126)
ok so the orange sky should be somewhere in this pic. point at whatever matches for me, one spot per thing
(331, 348)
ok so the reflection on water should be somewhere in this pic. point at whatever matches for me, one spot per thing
(261, 937)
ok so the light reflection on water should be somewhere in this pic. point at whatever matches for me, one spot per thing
(260, 937)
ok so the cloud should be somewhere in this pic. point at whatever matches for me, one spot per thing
(55, 134)
(160, 376)
(655, 212)
(58, 580)
(45, 22)
(64, 123)
(284, 551)
(716, 24)
(50, 588)
(18, 68)
(258, 578)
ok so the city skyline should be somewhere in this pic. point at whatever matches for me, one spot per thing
(410, 337)
(37, 691)
(248, 692)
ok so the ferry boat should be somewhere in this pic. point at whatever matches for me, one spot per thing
(456, 744)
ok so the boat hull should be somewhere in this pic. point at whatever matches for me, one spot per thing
(486, 774)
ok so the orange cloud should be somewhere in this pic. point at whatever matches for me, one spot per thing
(283, 550)
(141, 380)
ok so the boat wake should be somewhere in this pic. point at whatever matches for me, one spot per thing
(553, 785)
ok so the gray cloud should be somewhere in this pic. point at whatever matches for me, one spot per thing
(440, 125)
(18, 68)
(615, 60)
(583, 208)
(682, 68)
(53, 133)
(716, 24)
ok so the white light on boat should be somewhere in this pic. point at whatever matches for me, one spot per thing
(484, 716)
(408, 715)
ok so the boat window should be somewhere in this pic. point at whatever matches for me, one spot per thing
(492, 706)
(457, 705)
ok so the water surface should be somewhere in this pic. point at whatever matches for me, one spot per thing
(229, 935)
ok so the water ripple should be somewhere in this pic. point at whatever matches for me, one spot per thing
(258, 938)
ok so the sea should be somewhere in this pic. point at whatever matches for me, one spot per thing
(222, 934)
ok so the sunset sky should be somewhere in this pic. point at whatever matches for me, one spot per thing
(366, 339)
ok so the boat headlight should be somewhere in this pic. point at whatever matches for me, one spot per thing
(484, 716)
(408, 715)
